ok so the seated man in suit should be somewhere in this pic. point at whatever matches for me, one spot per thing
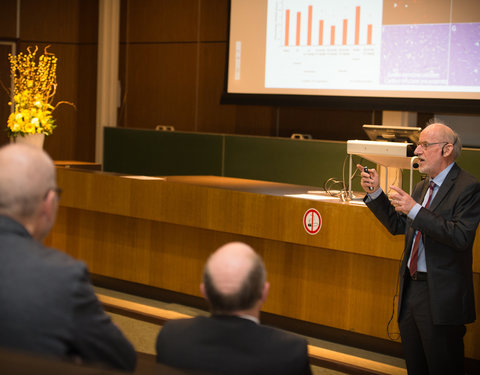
(231, 340)
(47, 304)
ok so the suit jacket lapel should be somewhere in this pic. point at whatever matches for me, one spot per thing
(446, 186)
(418, 197)
(421, 197)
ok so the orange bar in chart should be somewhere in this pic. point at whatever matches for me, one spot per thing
(287, 25)
(320, 33)
(345, 29)
(309, 38)
(299, 18)
(357, 25)
(349, 28)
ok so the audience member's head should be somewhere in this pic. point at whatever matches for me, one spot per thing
(28, 192)
(234, 280)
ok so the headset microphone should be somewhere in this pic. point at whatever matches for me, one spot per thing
(415, 165)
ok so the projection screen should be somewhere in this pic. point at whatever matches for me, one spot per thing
(390, 54)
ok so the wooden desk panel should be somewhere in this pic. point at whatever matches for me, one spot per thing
(345, 227)
(160, 232)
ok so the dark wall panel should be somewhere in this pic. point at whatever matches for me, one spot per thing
(72, 21)
(212, 117)
(326, 124)
(157, 21)
(159, 86)
(8, 19)
(4, 91)
(213, 20)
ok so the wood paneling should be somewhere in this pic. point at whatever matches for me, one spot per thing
(323, 123)
(213, 17)
(160, 86)
(59, 21)
(4, 91)
(159, 233)
(8, 19)
(153, 21)
(212, 117)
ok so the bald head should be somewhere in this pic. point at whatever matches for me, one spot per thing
(234, 278)
(443, 133)
(26, 175)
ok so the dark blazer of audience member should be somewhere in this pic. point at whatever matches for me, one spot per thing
(232, 340)
(47, 304)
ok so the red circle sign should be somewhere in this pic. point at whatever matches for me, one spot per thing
(312, 221)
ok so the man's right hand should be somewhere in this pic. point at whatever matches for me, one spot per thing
(370, 180)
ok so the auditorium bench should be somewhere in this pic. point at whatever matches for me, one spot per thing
(321, 357)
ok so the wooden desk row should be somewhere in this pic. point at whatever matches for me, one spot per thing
(159, 232)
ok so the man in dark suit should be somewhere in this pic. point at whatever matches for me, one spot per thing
(439, 221)
(231, 340)
(47, 304)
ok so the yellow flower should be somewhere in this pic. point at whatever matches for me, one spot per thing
(29, 128)
(34, 86)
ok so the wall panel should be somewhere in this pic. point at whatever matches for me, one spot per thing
(160, 86)
(213, 14)
(4, 94)
(8, 19)
(59, 21)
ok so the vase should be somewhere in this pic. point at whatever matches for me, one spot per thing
(35, 140)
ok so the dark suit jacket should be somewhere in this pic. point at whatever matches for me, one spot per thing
(223, 344)
(48, 306)
(448, 230)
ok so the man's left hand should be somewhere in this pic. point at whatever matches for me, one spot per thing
(402, 201)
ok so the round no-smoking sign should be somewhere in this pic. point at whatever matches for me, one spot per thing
(312, 221)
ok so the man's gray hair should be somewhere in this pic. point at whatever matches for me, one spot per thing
(245, 298)
(26, 174)
(450, 137)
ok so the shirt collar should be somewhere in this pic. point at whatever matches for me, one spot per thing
(249, 317)
(441, 176)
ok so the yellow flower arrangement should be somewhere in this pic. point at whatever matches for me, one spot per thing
(34, 86)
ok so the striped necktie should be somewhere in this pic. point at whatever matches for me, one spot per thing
(418, 235)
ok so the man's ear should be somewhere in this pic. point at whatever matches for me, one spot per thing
(202, 290)
(45, 216)
(266, 289)
(447, 149)
(49, 205)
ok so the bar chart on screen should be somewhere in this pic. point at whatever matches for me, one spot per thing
(315, 41)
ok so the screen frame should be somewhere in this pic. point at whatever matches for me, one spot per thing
(433, 105)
